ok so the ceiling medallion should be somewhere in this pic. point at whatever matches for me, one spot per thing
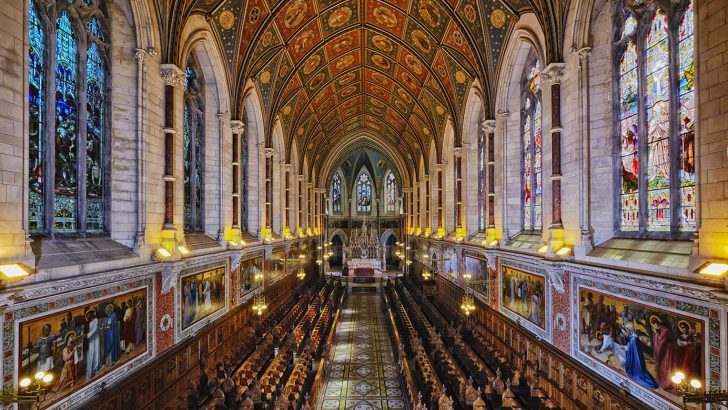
(265, 77)
(408, 80)
(498, 18)
(413, 63)
(379, 78)
(267, 38)
(381, 62)
(382, 43)
(421, 41)
(316, 81)
(286, 110)
(400, 105)
(440, 109)
(404, 95)
(426, 131)
(342, 44)
(347, 78)
(300, 131)
(344, 62)
(302, 41)
(295, 13)
(376, 102)
(339, 17)
(429, 13)
(348, 91)
(385, 17)
(283, 71)
(470, 13)
(311, 64)
(254, 15)
(457, 37)
(460, 77)
(226, 19)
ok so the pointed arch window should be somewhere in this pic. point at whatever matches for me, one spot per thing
(364, 193)
(656, 147)
(336, 193)
(531, 140)
(67, 124)
(193, 152)
(391, 193)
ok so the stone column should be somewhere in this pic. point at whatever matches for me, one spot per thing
(173, 78)
(587, 241)
(288, 169)
(551, 77)
(141, 206)
(490, 170)
(457, 170)
(223, 124)
(309, 208)
(439, 168)
(428, 201)
(505, 235)
(299, 220)
(268, 226)
(238, 128)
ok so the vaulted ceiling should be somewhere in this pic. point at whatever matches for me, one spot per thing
(328, 70)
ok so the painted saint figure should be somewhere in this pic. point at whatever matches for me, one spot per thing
(635, 364)
(46, 346)
(93, 355)
(112, 351)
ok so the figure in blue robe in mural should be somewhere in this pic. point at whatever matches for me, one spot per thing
(634, 363)
(112, 349)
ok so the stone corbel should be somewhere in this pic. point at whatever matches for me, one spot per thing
(171, 74)
(556, 278)
(553, 73)
(489, 126)
(269, 152)
(235, 260)
(457, 152)
(170, 274)
(237, 126)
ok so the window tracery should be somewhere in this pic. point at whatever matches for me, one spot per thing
(391, 193)
(67, 125)
(531, 137)
(364, 193)
(193, 147)
(336, 193)
(654, 50)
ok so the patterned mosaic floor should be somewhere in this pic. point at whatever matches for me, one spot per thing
(363, 375)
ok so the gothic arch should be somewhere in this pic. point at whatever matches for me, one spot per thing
(253, 118)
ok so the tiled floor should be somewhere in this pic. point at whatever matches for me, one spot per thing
(363, 375)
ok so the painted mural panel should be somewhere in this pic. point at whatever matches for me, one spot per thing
(477, 268)
(277, 264)
(84, 343)
(524, 293)
(645, 343)
(249, 268)
(203, 294)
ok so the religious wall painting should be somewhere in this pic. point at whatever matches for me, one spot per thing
(477, 267)
(201, 295)
(84, 343)
(250, 269)
(645, 343)
(277, 264)
(523, 293)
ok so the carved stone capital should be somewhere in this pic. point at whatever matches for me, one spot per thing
(439, 167)
(172, 75)
(223, 115)
(237, 126)
(553, 73)
(140, 55)
(269, 152)
(489, 126)
(320, 190)
(584, 53)
(457, 152)
(300, 177)
(288, 167)
(503, 114)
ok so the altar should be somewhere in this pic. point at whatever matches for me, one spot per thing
(364, 258)
(357, 264)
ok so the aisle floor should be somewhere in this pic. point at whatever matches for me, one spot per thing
(363, 374)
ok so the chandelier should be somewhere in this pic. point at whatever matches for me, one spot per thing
(426, 275)
(468, 304)
(301, 275)
(259, 305)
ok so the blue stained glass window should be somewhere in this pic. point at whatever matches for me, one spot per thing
(65, 204)
(336, 193)
(193, 156)
(36, 110)
(391, 193)
(95, 110)
(364, 194)
(94, 28)
(531, 143)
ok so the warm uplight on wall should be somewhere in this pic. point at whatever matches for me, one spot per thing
(183, 250)
(543, 249)
(164, 253)
(565, 251)
(13, 271)
(713, 269)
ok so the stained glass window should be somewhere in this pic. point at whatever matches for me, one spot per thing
(649, 185)
(67, 128)
(36, 111)
(364, 194)
(686, 77)
(336, 193)
(531, 144)
(391, 193)
(193, 146)
(66, 182)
